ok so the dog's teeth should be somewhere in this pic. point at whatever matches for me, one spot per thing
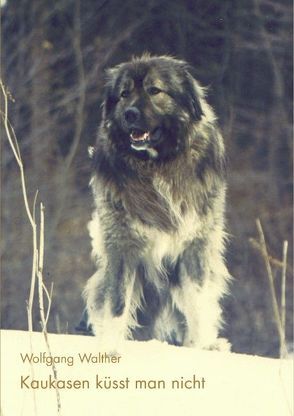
(141, 137)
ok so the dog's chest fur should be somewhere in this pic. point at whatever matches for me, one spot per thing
(185, 225)
(160, 244)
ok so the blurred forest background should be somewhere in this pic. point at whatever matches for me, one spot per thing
(53, 59)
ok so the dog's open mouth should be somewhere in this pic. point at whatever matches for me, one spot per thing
(141, 140)
(139, 137)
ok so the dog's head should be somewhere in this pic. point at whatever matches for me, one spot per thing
(150, 103)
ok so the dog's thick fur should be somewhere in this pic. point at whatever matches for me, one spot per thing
(157, 228)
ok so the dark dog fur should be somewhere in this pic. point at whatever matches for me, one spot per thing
(159, 190)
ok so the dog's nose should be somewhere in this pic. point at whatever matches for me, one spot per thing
(132, 114)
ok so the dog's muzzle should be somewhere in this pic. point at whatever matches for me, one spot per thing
(141, 137)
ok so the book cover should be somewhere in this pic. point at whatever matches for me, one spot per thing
(146, 208)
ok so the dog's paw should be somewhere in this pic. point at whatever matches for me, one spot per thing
(221, 344)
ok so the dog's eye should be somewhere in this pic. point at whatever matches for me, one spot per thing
(125, 93)
(154, 91)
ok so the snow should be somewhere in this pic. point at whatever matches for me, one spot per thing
(213, 383)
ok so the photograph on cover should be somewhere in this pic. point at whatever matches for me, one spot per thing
(146, 207)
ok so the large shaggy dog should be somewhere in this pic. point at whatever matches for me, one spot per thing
(157, 228)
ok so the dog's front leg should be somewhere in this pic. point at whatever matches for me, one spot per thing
(201, 284)
(108, 297)
(202, 313)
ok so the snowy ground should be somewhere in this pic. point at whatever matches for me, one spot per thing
(150, 378)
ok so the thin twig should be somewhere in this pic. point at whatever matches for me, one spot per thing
(38, 252)
(7, 124)
(15, 149)
(274, 262)
(277, 316)
(40, 268)
(41, 300)
(49, 298)
(34, 265)
(16, 152)
(283, 286)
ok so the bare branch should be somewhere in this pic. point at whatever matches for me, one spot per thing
(15, 149)
(274, 262)
(38, 252)
(49, 298)
(40, 268)
(283, 349)
(283, 286)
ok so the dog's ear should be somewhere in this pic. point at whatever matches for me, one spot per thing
(109, 99)
(194, 94)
